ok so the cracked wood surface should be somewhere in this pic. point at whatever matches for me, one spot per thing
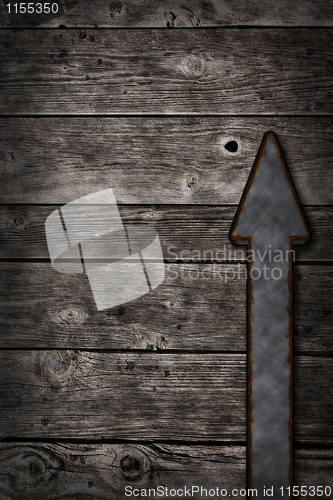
(198, 307)
(162, 160)
(35, 471)
(228, 71)
(148, 396)
(175, 14)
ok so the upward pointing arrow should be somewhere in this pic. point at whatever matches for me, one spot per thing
(270, 220)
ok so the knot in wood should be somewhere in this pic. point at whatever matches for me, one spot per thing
(184, 21)
(116, 7)
(133, 464)
(231, 145)
(29, 469)
(57, 367)
(131, 467)
(71, 315)
(191, 181)
(20, 222)
(16, 221)
(153, 215)
(194, 66)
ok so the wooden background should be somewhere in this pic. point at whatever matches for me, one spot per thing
(153, 392)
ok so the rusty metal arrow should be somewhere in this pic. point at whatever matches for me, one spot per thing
(269, 220)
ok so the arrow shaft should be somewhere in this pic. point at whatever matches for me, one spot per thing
(270, 374)
(270, 216)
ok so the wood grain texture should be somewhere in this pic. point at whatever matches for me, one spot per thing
(312, 308)
(38, 471)
(122, 396)
(313, 467)
(197, 307)
(173, 14)
(313, 381)
(170, 160)
(149, 161)
(76, 394)
(43, 308)
(187, 232)
(235, 71)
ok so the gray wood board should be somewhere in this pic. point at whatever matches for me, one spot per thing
(313, 467)
(77, 394)
(197, 307)
(124, 396)
(173, 14)
(172, 160)
(37, 471)
(227, 71)
(186, 232)
(41, 307)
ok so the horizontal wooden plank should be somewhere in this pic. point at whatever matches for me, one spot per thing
(172, 14)
(131, 396)
(75, 394)
(235, 71)
(198, 233)
(312, 308)
(170, 160)
(41, 307)
(313, 383)
(39, 470)
(197, 307)
(313, 468)
(103, 471)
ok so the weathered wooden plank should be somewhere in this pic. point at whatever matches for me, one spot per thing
(313, 308)
(313, 382)
(137, 396)
(313, 467)
(167, 14)
(198, 233)
(73, 394)
(236, 71)
(198, 307)
(147, 160)
(36, 471)
(43, 308)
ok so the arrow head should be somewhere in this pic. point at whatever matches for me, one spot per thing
(270, 211)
